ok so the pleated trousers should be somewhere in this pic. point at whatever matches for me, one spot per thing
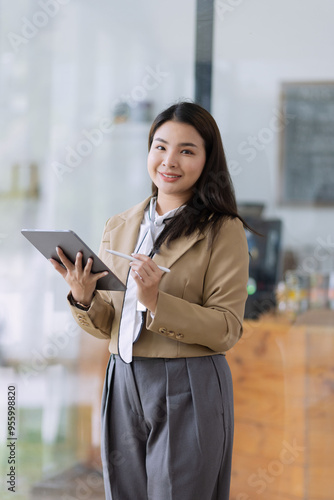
(167, 429)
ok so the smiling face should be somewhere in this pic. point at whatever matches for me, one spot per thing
(175, 162)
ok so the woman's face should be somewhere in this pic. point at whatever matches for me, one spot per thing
(176, 159)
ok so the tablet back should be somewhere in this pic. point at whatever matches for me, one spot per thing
(47, 241)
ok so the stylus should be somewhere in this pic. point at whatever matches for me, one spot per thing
(165, 269)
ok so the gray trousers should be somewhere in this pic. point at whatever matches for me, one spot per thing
(167, 429)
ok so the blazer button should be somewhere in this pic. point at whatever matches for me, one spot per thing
(162, 330)
(179, 335)
(170, 333)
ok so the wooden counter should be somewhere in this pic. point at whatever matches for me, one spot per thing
(283, 377)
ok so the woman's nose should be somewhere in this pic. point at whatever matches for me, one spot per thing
(169, 161)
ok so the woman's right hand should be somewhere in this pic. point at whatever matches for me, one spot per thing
(81, 280)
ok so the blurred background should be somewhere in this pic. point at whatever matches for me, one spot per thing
(80, 83)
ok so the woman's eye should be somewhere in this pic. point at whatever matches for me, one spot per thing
(186, 151)
(161, 148)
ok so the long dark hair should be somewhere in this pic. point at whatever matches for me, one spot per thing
(213, 199)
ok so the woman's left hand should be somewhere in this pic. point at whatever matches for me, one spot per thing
(147, 276)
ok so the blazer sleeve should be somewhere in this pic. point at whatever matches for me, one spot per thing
(217, 322)
(97, 321)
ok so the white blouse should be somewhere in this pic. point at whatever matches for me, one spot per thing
(132, 313)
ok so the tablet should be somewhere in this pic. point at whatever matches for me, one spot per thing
(47, 241)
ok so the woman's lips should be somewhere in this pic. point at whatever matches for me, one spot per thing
(169, 177)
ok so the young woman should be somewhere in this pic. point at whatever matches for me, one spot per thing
(167, 409)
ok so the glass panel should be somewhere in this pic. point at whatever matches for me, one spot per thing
(282, 367)
(79, 85)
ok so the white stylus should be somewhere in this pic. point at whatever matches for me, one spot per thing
(128, 257)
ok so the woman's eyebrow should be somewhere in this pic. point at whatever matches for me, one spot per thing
(181, 143)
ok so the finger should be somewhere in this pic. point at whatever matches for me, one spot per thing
(78, 262)
(141, 256)
(88, 266)
(97, 276)
(150, 265)
(88, 271)
(153, 267)
(67, 263)
(58, 267)
(136, 276)
(139, 268)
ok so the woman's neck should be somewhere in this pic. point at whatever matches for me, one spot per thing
(166, 204)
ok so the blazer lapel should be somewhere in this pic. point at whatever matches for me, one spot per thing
(167, 256)
(123, 238)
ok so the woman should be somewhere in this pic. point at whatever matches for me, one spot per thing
(167, 410)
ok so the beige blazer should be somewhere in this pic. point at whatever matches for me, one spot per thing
(201, 301)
